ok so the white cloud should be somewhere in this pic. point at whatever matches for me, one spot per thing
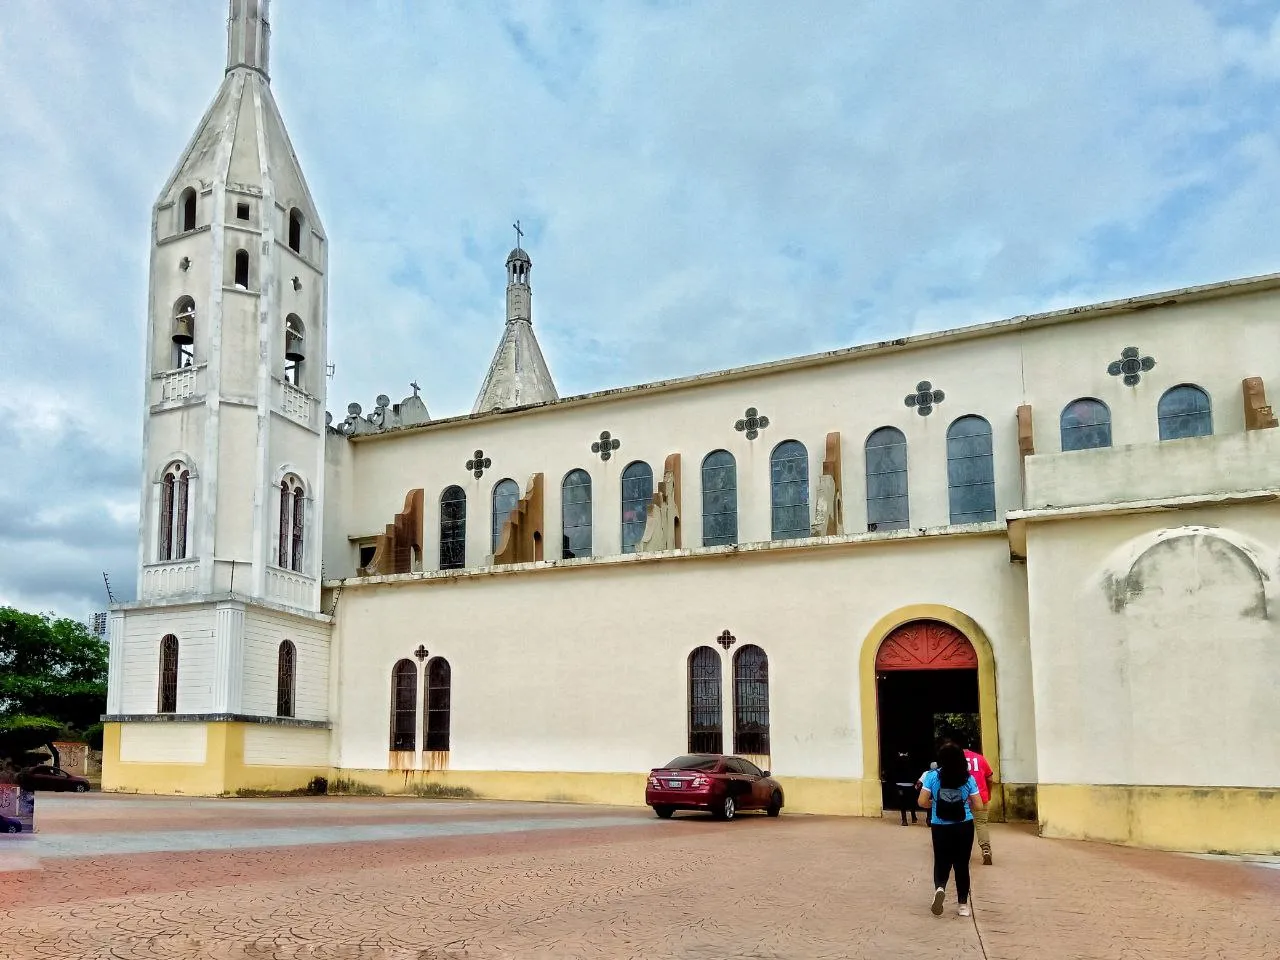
(703, 185)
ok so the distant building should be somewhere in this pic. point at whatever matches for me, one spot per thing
(1060, 531)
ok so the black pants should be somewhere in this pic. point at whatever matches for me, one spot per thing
(907, 797)
(952, 845)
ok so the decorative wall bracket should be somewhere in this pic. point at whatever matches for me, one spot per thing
(606, 445)
(925, 398)
(751, 423)
(1131, 366)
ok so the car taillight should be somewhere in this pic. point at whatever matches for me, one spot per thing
(700, 782)
(653, 782)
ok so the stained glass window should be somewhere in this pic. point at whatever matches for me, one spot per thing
(453, 528)
(789, 482)
(506, 494)
(436, 708)
(719, 499)
(404, 697)
(886, 453)
(637, 491)
(575, 514)
(971, 471)
(1085, 424)
(1184, 411)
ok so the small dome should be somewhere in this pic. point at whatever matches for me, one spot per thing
(518, 256)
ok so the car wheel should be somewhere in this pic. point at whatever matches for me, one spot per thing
(775, 804)
(664, 812)
(12, 828)
(82, 788)
(726, 809)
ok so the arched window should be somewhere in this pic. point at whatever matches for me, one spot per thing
(242, 269)
(436, 706)
(575, 514)
(286, 663)
(175, 493)
(293, 507)
(706, 717)
(296, 223)
(453, 529)
(184, 333)
(887, 505)
(506, 494)
(750, 701)
(404, 703)
(1184, 411)
(167, 698)
(789, 490)
(970, 471)
(637, 491)
(719, 502)
(294, 349)
(187, 203)
(1085, 424)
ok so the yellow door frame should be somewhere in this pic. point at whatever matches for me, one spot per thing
(867, 689)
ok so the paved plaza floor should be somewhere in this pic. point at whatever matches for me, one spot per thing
(384, 878)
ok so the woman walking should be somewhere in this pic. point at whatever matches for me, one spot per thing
(950, 794)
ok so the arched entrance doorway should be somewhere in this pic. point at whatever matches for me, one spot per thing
(926, 687)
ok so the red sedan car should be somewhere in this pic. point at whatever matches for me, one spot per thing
(52, 778)
(710, 781)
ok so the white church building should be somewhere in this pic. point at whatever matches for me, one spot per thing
(1056, 534)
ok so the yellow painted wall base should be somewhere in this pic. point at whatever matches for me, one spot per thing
(223, 771)
(1191, 819)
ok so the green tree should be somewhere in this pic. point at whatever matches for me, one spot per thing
(51, 669)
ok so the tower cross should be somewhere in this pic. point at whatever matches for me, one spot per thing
(519, 233)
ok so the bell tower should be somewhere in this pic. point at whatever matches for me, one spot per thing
(226, 630)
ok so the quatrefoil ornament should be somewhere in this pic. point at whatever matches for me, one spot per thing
(751, 423)
(478, 464)
(1131, 366)
(605, 445)
(925, 398)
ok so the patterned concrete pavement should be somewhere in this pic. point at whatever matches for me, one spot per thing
(127, 877)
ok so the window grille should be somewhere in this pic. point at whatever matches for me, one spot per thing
(437, 706)
(1184, 411)
(637, 492)
(706, 717)
(299, 530)
(175, 491)
(285, 679)
(789, 491)
(719, 500)
(575, 514)
(404, 697)
(751, 701)
(166, 517)
(453, 528)
(887, 503)
(167, 700)
(970, 471)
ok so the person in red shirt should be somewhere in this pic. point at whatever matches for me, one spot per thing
(981, 771)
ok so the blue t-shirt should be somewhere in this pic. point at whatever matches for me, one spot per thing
(931, 783)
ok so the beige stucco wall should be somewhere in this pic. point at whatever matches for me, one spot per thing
(584, 667)
(1156, 649)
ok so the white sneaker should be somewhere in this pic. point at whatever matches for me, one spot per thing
(938, 896)
(964, 910)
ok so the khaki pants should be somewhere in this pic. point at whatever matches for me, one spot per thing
(983, 830)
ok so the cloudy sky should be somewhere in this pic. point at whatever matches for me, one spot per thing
(703, 184)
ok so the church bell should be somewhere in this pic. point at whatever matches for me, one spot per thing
(293, 346)
(184, 328)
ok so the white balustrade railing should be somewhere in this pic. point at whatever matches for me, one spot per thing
(296, 404)
(287, 587)
(169, 578)
(180, 384)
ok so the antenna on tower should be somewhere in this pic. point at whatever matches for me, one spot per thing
(111, 597)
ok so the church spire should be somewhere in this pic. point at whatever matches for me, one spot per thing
(248, 35)
(518, 375)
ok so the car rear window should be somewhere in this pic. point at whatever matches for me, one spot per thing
(693, 763)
